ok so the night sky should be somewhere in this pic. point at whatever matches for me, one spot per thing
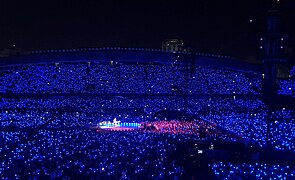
(218, 26)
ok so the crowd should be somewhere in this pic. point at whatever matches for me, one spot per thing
(198, 128)
(71, 110)
(23, 119)
(223, 81)
(88, 154)
(244, 117)
(226, 170)
(122, 78)
(248, 118)
(282, 130)
(286, 87)
(49, 137)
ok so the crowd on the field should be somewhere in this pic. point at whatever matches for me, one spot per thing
(226, 170)
(200, 129)
(244, 117)
(87, 154)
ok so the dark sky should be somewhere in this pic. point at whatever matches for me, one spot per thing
(220, 26)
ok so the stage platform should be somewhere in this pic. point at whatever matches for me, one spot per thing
(108, 126)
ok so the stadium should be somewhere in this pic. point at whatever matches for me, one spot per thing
(209, 108)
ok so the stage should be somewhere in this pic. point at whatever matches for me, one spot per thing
(116, 126)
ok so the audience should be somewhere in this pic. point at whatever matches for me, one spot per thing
(252, 171)
(49, 137)
(87, 154)
(125, 78)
